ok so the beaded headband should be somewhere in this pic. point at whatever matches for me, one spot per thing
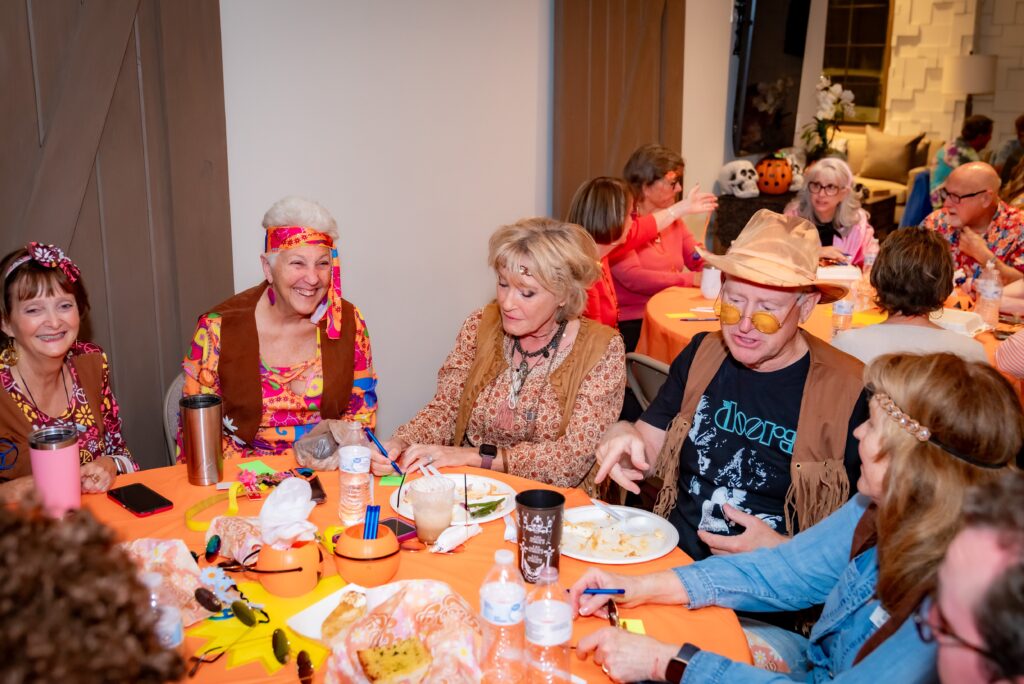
(49, 256)
(923, 434)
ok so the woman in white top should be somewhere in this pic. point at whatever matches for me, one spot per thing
(913, 276)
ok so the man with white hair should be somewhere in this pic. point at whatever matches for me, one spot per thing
(978, 225)
(722, 432)
(977, 616)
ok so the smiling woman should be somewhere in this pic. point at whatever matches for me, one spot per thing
(47, 377)
(290, 352)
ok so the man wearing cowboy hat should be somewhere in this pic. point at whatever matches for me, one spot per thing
(722, 432)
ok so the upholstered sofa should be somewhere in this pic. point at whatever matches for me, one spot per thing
(856, 142)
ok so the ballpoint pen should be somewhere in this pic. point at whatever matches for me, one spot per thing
(596, 591)
(373, 438)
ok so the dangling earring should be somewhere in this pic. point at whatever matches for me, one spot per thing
(271, 295)
(9, 354)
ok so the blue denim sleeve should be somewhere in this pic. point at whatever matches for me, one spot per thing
(791, 576)
(903, 658)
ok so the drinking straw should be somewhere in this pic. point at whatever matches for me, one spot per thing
(465, 495)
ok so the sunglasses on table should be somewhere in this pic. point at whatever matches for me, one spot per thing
(763, 321)
(247, 565)
(954, 198)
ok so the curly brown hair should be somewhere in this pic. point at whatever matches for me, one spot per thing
(913, 274)
(72, 607)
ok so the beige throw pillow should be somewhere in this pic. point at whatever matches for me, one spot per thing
(889, 157)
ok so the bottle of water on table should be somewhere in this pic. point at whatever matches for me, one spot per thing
(354, 480)
(990, 294)
(842, 314)
(169, 629)
(548, 631)
(502, 606)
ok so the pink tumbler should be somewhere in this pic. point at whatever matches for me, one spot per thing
(56, 469)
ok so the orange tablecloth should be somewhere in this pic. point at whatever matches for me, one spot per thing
(663, 336)
(714, 629)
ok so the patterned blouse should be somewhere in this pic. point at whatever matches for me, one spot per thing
(1003, 236)
(532, 446)
(78, 414)
(287, 416)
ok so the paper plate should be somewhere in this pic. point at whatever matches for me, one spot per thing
(658, 538)
(307, 623)
(481, 489)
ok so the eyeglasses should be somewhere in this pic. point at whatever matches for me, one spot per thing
(931, 624)
(247, 615)
(305, 667)
(247, 565)
(954, 198)
(763, 321)
(817, 188)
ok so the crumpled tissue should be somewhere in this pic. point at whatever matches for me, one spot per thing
(284, 516)
(453, 536)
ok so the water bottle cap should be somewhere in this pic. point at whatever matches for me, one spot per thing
(504, 557)
(548, 574)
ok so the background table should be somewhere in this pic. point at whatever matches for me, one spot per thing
(714, 629)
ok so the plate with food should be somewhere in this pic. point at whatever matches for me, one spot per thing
(592, 535)
(325, 618)
(489, 499)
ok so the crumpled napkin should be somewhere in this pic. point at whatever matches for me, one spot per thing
(453, 536)
(284, 516)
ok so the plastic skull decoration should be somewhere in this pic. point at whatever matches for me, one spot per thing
(738, 178)
(796, 164)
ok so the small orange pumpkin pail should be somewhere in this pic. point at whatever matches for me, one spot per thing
(774, 174)
(305, 556)
(368, 562)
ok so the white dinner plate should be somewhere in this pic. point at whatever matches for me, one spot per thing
(308, 622)
(481, 490)
(655, 538)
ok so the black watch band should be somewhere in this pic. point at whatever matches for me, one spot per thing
(677, 666)
(488, 452)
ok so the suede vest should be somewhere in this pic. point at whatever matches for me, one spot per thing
(819, 483)
(239, 363)
(14, 425)
(587, 350)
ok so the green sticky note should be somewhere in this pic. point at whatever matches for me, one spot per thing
(256, 466)
(390, 480)
(632, 625)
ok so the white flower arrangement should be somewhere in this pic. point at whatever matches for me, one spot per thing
(834, 105)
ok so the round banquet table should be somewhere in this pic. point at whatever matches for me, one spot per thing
(713, 629)
(670, 323)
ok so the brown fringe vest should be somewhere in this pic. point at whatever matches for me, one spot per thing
(239, 363)
(819, 481)
(588, 348)
(15, 428)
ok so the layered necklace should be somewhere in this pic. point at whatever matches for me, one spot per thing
(522, 371)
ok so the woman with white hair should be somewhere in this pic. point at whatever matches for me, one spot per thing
(827, 200)
(290, 352)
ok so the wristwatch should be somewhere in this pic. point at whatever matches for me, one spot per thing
(677, 666)
(488, 452)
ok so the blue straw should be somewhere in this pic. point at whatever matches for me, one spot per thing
(383, 451)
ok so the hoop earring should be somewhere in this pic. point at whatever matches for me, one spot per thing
(9, 354)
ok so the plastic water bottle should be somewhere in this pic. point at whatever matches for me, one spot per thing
(354, 479)
(865, 292)
(169, 628)
(842, 313)
(502, 605)
(548, 631)
(990, 294)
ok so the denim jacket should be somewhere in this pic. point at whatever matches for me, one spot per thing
(812, 568)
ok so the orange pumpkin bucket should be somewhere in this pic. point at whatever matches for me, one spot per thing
(304, 555)
(368, 562)
(774, 174)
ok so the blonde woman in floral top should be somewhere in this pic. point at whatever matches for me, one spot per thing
(290, 352)
(530, 386)
(47, 377)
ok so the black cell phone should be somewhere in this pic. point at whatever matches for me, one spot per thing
(140, 499)
(402, 529)
(308, 474)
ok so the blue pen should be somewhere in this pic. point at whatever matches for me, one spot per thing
(373, 438)
(604, 592)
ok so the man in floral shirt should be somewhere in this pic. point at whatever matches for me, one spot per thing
(978, 225)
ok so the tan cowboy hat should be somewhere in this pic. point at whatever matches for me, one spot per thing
(778, 251)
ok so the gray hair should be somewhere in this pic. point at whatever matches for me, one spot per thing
(830, 171)
(299, 211)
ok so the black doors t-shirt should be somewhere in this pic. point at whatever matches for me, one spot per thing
(740, 445)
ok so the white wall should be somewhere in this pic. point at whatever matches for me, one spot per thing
(421, 126)
(1001, 33)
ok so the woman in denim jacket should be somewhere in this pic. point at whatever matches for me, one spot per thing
(938, 424)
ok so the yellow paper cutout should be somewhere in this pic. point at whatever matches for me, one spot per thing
(634, 625)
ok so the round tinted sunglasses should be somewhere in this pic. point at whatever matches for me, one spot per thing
(763, 321)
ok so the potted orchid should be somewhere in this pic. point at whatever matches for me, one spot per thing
(834, 105)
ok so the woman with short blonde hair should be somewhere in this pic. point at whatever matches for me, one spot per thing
(530, 386)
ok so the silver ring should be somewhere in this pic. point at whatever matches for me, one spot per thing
(430, 459)
(604, 668)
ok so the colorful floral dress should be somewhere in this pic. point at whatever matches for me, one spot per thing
(287, 415)
(91, 444)
(1003, 236)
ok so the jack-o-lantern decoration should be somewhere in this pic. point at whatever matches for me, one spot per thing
(774, 175)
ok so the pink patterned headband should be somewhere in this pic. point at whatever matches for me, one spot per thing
(280, 238)
(48, 256)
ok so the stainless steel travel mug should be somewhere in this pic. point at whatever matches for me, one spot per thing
(200, 438)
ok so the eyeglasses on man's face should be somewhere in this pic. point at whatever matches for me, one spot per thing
(956, 199)
(932, 626)
(817, 188)
(763, 321)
